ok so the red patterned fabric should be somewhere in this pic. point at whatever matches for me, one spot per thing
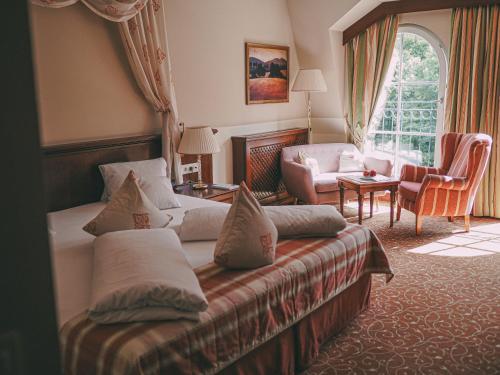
(246, 309)
(449, 190)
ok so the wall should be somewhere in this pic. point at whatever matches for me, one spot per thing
(87, 91)
(85, 88)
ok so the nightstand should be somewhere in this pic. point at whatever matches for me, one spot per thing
(214, 194)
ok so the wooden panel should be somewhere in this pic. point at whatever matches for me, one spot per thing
(256, 160)
(28, 327)
(406, 6)
(71, 173)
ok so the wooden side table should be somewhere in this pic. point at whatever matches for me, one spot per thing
(214, 194)
(362, 187)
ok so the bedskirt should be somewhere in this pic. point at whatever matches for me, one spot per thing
(294, 349)
(247, 309)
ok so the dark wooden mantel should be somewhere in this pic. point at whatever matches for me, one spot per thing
(406, 6)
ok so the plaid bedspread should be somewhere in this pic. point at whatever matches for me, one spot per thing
(246, 308)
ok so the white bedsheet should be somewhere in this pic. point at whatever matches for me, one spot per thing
(72, 252)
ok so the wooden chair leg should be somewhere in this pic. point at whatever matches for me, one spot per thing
(418, 224)
(467, 223)
(451, 219)
(398, 213)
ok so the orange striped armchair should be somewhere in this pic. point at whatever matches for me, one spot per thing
(450, 189)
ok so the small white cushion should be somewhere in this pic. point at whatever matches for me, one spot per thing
(113, 174)
(351, 162)
(159, 191)
(248, 237)
(129, 208)
(310, 162)
(205, 223)
(143, 275)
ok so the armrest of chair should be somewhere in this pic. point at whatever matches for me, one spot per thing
(416, 173)
(434, 181)
(381, 166)
(298, 181)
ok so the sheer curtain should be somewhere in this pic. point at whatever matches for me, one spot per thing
(473, 92)
(144, 35)
(367, 60)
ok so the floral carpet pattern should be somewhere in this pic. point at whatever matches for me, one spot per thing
(441, 312)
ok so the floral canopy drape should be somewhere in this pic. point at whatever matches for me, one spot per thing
(144, 36)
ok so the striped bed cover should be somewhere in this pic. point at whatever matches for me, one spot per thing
(246, 308)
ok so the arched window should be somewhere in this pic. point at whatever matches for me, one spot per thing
(408, 122)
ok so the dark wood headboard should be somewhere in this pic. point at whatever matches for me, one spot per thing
(71, 173)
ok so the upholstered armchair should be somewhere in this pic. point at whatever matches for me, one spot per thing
(450, 189)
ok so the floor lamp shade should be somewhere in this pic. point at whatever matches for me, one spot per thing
(309, 80)
(198, 141)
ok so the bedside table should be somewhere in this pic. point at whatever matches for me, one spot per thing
(214, 194)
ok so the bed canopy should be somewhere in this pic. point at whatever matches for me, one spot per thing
(141, 24)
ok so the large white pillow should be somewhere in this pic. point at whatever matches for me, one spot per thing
(351, 162)
(159, 191)
(205, 223)
(113, 174)
(143, 275)
(129, 208)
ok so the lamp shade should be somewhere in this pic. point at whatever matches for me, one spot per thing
(309, 80)
(198, 141)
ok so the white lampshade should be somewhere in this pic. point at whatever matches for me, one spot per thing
(309, 80)
(198, 141)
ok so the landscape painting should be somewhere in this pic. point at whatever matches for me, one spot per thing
(266, 73)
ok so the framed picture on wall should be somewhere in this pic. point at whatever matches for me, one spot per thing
(267, 77)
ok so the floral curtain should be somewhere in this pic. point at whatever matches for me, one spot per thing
(367, 59)
(113, 10)
(145, 40)
(144, 35)
(473, 92)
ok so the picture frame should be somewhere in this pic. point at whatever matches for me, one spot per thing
(267, 73)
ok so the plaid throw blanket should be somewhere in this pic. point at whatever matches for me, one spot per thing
(246, 308)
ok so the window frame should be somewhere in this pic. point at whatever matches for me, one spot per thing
(442, 56)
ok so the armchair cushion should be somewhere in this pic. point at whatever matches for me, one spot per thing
(434, 181)
(409, 190)
(416, 173)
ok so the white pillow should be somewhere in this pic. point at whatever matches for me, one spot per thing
(351, 162)
(113, 174)
(205, 223)
(310, 162)
(159, 191)
(129, 208)
(143, 275)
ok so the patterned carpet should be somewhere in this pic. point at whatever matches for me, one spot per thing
(441, 312)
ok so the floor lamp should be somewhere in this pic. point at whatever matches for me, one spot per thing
(309, 80)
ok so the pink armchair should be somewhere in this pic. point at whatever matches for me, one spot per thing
(450, 189)
(323, 188)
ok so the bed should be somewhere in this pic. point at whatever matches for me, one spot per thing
(269, 320)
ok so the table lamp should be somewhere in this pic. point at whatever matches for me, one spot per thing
(198, 141)
(309, 80)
